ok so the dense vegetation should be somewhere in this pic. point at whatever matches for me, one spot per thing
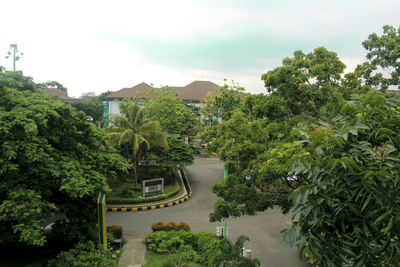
(322, 145)
(203, 247)
(50, 156)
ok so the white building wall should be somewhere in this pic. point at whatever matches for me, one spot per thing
(114, 107)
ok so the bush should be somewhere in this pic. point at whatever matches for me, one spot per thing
(116, 230)
(183, 226)
(84, 254)
(170, 226)
(208, 248)
(121, 200)
(159, 237)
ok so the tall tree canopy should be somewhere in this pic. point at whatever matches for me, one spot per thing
(346, 210)
(174, 115)
(134, 129)
(92, 107)
(383, 66)
(52, 84)
(50, 156)
(325, 146)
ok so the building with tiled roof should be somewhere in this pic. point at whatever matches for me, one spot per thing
(192, 94)
(63, 95)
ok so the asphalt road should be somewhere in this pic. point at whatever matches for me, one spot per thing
(263, 230)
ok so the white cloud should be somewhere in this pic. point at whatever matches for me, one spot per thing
(67, 41)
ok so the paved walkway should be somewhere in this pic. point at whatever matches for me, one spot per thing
(263, 229)
(133, 255)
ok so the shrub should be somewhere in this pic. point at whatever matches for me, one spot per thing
(84, 254)
(157, 226)
(208, 248)
(123, 200)
(160, 237)
(116, 230)
(170, 226)
(183, 226)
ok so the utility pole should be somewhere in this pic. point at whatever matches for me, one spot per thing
(16, 55)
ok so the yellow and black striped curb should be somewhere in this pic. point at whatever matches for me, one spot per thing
(151, 207)
(157, 206)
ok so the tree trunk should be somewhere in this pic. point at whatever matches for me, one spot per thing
(136, 165)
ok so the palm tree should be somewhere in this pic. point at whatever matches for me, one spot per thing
(232, 253)
(135, 130)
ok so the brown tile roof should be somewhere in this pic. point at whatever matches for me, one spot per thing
(394, 91)
(60, 94)
(133, 92)
(195, 91)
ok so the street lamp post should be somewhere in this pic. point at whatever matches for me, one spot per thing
(16, 55)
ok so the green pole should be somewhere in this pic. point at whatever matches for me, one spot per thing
(101, 215)
(225, 230)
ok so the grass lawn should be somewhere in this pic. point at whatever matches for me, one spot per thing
(158, 260)
(135, 191)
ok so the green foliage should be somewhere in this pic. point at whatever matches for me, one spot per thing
(179, 245)
(50, 155)
(84, 254)
(92, 107)
(52, 84)
(346, 170)
(346, 211)
(15, 80)
(306, 81)
(179, 153)
(102, 96)
(174, 115)
(170, 226)
(256, 138)
(135, 132)
(383, 58)
(210, 251)
(169, 191)
(28, 206)
(222, 104)
(232, 253)
(116, 231)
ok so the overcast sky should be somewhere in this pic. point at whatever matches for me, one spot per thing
(95, 46)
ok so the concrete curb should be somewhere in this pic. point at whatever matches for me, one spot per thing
(169, 203)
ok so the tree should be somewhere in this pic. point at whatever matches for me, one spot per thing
(52, 84)
(383, 59)
(178, 154)
(222, 103)
(257, 140)
(16, 80)
(84, 254)
(91, 107)
(50, 156)
(174, 115)
(346, 211)
(306, 81)
(232, 253)
(340, 176)
(136, 132)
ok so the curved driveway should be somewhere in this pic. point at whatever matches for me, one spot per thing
(263, 229)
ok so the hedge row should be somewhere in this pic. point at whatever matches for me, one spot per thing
(120, 200)
(170, 226)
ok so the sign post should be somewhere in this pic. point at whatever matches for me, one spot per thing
(101, 215)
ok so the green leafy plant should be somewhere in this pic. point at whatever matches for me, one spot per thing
(85, 254)
(116, 230)
(346, 211)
